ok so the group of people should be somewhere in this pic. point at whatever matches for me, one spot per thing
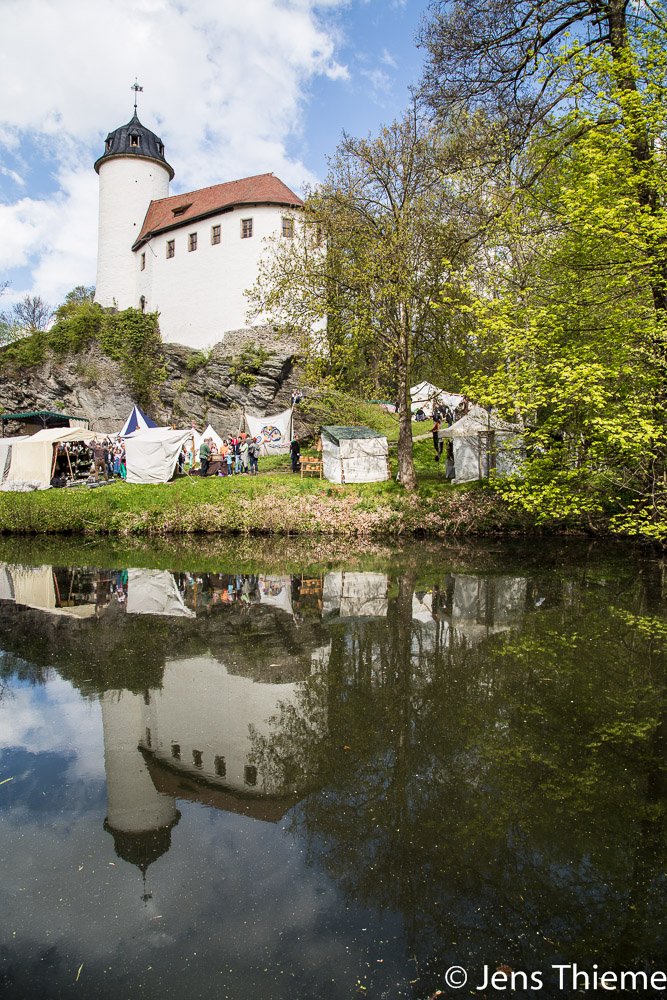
(109, 459)
(240, 455)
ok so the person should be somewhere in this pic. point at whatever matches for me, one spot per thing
(100, 460)
(253, 455)
(437, 443)
(230, 458)
(224, 451)
(204, 456)
(181, 459)
(295, 453)
(123, 462)
(243, 449)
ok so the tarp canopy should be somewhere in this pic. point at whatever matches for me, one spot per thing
(200, 438)
(137, 421)
(354, 455)
(484, 443)
(32, 458)
(154, 592)
(425, 394)
(274, 432)
(152, 456)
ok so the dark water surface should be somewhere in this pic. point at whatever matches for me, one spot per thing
(238, 771)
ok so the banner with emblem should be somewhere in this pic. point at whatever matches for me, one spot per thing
(274, 432)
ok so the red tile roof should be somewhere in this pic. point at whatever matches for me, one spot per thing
(262, 189)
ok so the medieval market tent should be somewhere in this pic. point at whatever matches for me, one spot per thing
(31, 461)
(200, 438)
(154, 592)
(36, 587)
(6, 446)
(137, 421)
(274, 432)
(354, 455)
(484, 443)
(152, 456)
(424, 395)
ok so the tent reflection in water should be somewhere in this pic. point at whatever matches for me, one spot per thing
(355, 595)
(483, 444)
(152, 456)
(354, 455)
(154, 592)
(36, 587)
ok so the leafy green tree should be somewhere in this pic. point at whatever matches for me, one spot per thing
(369, 258)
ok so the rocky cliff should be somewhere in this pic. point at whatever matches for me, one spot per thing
(250, 371)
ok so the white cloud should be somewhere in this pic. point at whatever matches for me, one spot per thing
(388, 59)
(224, 86)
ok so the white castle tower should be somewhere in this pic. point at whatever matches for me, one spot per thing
(133, 172)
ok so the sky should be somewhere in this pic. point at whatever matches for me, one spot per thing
(233, 88)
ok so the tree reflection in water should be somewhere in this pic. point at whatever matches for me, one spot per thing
(503, 790)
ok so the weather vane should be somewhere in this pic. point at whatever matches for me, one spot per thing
(137, 89)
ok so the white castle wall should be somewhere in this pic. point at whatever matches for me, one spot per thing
(206, 711)
(200, 293)
(127, 186)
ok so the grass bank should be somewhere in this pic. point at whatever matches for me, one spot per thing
(276, 503)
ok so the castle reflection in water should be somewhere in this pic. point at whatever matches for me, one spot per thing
(192, 735)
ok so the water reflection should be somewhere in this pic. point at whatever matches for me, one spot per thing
(475, 762)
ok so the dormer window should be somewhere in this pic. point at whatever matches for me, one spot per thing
(180, 210)
(160, 148)
(108, 145)
(134, 140)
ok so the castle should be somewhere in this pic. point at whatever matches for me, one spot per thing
(188, 256)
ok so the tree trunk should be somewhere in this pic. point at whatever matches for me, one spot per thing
(406, 464)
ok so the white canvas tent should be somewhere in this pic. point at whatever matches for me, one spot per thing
(6, 446)
(31, 462)
(424, 395)
(35, 587)
(354, 455)
(200, 438)
(152, 455)
(154, 592)
(483, 444)
(274, 432)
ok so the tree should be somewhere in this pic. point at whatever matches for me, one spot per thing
(80, 295)
(368, 260)
(575, 300)
(32, 313)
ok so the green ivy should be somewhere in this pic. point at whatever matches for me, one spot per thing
(130, 337)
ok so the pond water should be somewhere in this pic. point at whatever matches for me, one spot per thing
(236, 770)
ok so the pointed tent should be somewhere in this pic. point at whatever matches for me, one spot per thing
(137, 421)
(199, 438)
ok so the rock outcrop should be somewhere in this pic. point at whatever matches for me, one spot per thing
(205, 388)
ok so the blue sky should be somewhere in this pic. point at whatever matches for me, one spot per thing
(232, 89)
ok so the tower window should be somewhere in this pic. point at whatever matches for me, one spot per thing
(220, 767)
(171, 248)
(215, 234)
(176, 751)
(108, 145)
(192, 241)
(160, 148)
(134, 140)
(143, 262)
(246, 229)
(142, 303)
(288, 228)
(197, 758)
(250, 774)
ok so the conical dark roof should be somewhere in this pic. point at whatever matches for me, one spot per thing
(134, 139)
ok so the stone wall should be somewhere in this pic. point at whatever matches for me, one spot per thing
(91, 385)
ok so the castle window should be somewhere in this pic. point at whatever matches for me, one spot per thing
(176, 751)
(215, 234)
(220, 767)
(171, 248)
(246, 228)
(143, 262)
(142, 303)
(108, 145)
(250, 774)
(197, 758)
(160, 148)
(288, 228)
(192, 241)
(134, 140)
